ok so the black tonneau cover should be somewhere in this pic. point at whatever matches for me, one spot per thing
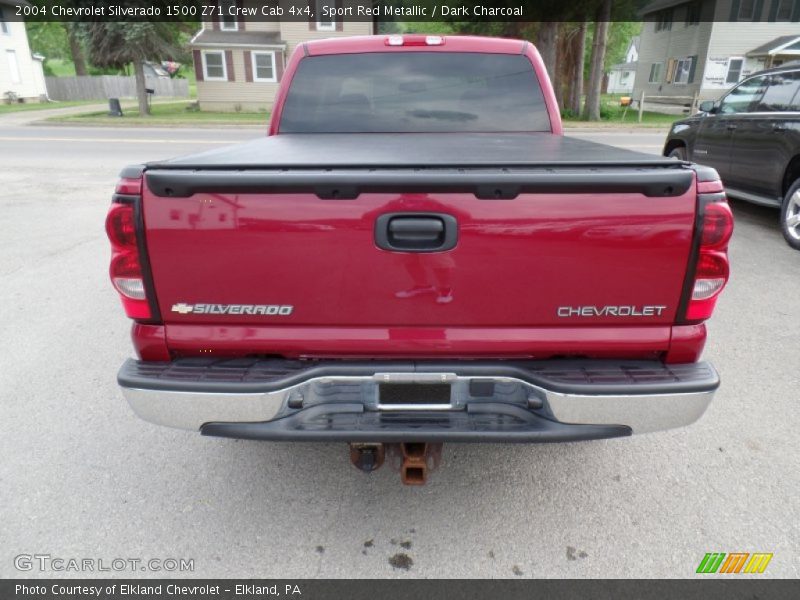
(490, 165)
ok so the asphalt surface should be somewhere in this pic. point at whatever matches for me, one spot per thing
(82, 477)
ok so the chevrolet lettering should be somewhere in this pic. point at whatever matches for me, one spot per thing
(611, 311)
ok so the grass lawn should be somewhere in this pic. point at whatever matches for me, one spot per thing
(16, 107)
(60, 67)
(612, 114)
(173, 113)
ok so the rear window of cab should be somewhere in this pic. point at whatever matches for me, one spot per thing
(414, 92)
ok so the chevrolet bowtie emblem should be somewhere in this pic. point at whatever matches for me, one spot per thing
(182, 309)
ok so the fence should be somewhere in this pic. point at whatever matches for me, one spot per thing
(685, 103)
(102, 87)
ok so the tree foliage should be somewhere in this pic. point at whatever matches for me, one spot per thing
(115, 44)
(566, 41)
(48, 38)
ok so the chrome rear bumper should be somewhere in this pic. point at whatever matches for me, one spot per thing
(293, 400)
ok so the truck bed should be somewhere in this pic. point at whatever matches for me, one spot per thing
(488, 165)
(383, 150)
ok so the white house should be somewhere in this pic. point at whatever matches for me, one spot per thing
(21, 75)
(622, 75)
(239, 62)
(701, 48)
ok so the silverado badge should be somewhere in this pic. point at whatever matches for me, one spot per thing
(183, 308)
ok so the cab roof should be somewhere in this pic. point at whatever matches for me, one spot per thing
(414, 42)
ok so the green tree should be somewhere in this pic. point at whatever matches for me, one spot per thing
(48, 38)
(591, 107)
(620, 35)
(76, 48)
(58, 40)
(115, 44)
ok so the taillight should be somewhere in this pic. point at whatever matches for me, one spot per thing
(717, 225)
(711, 268)
(711, 275)
(127, 271)
(126, 275)
(121, 226)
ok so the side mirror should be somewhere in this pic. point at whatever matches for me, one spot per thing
(708, 106)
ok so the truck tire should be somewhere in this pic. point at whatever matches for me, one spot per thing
(790, 216)
(679, 153)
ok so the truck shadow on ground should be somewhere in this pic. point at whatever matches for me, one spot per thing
(325, 469)
(765, 216)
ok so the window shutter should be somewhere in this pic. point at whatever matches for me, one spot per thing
(692, 68)
(198, 65)
(339, 22)
(215, 22)
(735, 10)
(278, 66)
(312, 21)
(758, 9)
(229, 65)
(671, 64)
(248, 66)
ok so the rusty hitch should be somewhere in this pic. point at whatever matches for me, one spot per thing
(367, 457)
(418, 459)
(414, 460)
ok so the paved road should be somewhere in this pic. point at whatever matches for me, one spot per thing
(80, 476)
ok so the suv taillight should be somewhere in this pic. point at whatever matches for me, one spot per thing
(126, 270)
(711, 268)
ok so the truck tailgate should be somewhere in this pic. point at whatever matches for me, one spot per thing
(549, 232)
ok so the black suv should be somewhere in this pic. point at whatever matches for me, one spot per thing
(752, 137)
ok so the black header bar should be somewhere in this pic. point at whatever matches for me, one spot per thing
(667, 13)
(705, 588)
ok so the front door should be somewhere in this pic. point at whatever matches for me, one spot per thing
(765, 137)
(714, 145)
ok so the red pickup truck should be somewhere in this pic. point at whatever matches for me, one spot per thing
(416, 254)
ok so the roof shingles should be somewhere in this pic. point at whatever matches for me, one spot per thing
(776, 43)
(210, 37)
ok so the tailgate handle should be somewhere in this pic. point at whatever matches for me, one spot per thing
(418, 232)
(416, 229)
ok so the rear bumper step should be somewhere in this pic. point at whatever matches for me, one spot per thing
(491, 401)
(484, 422)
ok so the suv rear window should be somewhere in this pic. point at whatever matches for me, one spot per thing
(414, 92)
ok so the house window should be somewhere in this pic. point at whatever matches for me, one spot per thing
(625, 75)
(747, 10)
(263, 66)
(693, 13)
(13, 66)
(324, 23)
(784, 12)
(734, 70)
(664, 20)
(214, 67)
(683, 72)
(227, 20)
(655, 73)
(3, 23)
